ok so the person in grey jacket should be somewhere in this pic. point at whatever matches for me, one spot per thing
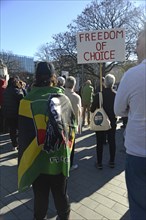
(11, 99)
(131, 101)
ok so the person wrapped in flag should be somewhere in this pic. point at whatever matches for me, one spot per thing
(46, 135)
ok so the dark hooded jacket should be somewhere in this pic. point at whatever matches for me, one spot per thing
(11, 99)
(2, 88)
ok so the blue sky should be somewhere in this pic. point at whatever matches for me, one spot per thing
(26, 24)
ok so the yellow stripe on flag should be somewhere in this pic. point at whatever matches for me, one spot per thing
(24, 108)
(41, 121)
(28, 158)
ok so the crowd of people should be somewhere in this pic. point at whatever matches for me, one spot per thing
(11, 95)
(43, 124)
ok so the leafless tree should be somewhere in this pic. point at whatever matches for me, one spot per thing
(98, 15)
(43, 53)
(11, 62)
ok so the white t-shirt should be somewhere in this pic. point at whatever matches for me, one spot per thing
(131, 101)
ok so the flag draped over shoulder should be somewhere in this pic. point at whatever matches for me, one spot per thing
(46, 135)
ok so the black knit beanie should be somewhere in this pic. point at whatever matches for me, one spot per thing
(45, 68)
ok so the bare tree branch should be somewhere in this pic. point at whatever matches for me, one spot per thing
(104, 14)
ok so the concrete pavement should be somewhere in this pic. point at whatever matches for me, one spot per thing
(94, 194)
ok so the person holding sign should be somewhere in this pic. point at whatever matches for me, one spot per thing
(130, 101)
(108, 105)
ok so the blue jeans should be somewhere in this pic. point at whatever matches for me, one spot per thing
(136, 186)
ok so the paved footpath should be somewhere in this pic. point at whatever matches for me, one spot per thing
(94, 194)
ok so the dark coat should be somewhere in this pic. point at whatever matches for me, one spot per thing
(108, 104)
(2, 89)
(11, 99)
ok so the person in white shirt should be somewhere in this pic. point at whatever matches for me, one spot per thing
(77, 107)
(131, 101)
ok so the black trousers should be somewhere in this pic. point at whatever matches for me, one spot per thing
(58, 186)
(125, 120)
(100, 136)
(3, 123)
(72, 154)
(13, 129)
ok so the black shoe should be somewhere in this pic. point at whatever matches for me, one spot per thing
(98, 166)
(83, 124)
(111, 164)
(123, 126)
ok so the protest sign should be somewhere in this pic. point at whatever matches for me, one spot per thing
(101, 46)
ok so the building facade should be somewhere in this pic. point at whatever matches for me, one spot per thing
(16, 63)
(26, 63)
